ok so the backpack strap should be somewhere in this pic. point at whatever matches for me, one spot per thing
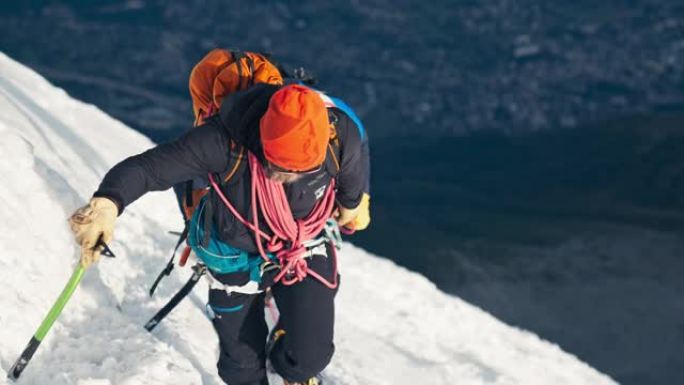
(188, 196)
(192, 195)
(333, 157)
(237, 154)
(237, 57)
(250, 63)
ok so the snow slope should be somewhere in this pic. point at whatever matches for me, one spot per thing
(53, 152)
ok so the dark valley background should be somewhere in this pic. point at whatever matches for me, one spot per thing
(528, 156)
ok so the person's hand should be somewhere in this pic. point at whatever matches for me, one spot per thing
(362, 219)
(357, 218)
(89, 223)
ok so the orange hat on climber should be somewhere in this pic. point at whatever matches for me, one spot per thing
(295, 129)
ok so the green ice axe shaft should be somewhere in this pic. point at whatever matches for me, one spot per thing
(23, 360)
(55, 311)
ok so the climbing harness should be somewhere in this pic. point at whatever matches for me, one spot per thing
(329, 236)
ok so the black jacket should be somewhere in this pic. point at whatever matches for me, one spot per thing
(205, 149)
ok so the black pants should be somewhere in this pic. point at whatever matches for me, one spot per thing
(307, 314)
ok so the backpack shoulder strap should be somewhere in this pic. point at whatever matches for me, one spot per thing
(333, 102)
(336, 106)
(237, 155)
(333, 156)
(237, 152)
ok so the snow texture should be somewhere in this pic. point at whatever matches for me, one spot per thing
(393, 326)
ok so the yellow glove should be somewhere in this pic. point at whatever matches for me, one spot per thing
(89, 223)
(362, 219)
(357, 218)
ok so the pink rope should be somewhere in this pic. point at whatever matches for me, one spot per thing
(269, 196)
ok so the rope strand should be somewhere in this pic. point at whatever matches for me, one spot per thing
(269, 196)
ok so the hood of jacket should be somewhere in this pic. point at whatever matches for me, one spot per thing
(241, 112)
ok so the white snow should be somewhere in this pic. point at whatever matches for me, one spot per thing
(393, 326)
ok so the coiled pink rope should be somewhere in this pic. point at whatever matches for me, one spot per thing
(269, 196)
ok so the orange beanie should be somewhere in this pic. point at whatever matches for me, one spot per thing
(295, 129)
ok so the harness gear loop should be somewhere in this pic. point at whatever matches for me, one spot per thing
(268, 197)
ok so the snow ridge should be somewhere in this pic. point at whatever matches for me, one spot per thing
(393, 326)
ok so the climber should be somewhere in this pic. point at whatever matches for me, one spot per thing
(281, 161)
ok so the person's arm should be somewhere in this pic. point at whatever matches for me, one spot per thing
(202, 150)
(353, 193)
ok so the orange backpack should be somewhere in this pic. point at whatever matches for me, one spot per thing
(222, 72)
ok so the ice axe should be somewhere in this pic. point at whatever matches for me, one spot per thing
(23, 360)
